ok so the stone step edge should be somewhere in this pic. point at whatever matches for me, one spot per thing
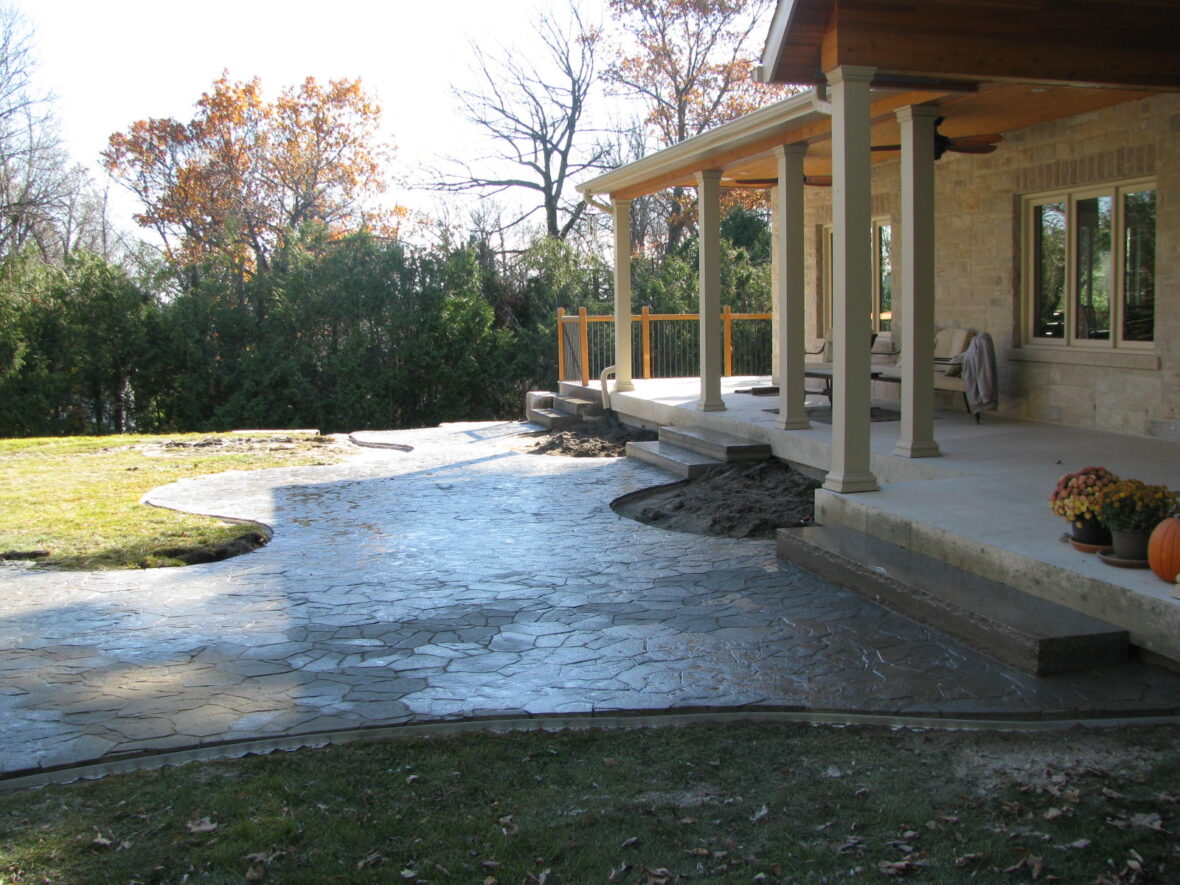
(721, 446)
(1001, 639)
(576, 404)
(675, 460)
(553, 419)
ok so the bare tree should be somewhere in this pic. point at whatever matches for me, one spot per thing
(689, 64)
(535, 114)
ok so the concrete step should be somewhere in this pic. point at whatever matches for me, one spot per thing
(553, 419)
(577, 405)
(1018, 629)
(681, 462)
(721, 446)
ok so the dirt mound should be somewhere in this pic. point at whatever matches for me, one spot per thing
(595, 438)
(730, 500)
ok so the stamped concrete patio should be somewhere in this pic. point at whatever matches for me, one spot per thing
(466, 579)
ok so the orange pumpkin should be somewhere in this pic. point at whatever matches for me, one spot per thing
(1163, 550)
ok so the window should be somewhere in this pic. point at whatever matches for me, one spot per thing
(1090, 267)
(882, 310)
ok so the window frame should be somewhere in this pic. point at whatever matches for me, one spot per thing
(1117, 191)
(827, 249)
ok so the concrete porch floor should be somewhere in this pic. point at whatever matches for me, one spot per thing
(982, 505)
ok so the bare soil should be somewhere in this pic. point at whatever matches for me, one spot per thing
(750, 500)
(595, 438)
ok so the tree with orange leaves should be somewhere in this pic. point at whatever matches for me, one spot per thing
(691, 64)
(240, 178)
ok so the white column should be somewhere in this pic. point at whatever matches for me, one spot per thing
(777, 296)
(789, 286)
(622, 214)
(852, 283)
(917, 283)
(709, 233)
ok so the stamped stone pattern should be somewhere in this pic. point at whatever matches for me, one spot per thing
(464, 579)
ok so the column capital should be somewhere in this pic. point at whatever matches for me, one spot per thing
(850, 74)
(708, 175)
(917, 112)
(790, 150)
(619, 203)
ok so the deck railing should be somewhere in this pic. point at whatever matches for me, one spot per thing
(663, 345)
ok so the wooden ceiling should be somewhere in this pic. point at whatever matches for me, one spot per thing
(993, 108)
(1114, 43)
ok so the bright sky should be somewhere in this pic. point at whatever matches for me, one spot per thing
(111, 62)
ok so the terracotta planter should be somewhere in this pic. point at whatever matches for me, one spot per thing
(1130, 545)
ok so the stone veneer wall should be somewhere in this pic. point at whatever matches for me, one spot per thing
(978, 262)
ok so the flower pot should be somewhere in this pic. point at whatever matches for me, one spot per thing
(1091, 532)
(1130, 545)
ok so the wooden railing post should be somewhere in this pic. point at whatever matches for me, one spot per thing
(560, 344)
(584, 345)
(727, 324)
(645, 321)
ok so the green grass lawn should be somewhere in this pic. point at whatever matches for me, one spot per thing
(79, 497)
(734, 802)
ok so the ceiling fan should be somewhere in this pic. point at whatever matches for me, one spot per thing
(962, 144)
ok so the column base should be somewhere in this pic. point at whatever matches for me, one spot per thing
(794, 424)
(917, 449)
(710, 406)
(623, 386)
(851, 482)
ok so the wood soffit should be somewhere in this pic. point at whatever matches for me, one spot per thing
(999, 108)
(1112, 43)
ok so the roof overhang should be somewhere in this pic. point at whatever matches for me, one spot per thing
(744, 149)
(1126, 44)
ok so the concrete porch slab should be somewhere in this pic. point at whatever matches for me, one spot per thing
(982, 505)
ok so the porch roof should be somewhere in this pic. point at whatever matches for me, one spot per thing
(743, 149)
(1114, 43)
(990, 66)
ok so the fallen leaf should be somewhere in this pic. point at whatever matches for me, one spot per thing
(489, 864)
(1150, 820)
(610, 760)
(490, 880)
(1054, 813)
(760, 815)
(1080, 843)
(966, 859)
(833, 772)
(204, 825)
(413, 778)
(1111, 794)
(373, 857)
(100, 842)
(628, 842)
(256, 873)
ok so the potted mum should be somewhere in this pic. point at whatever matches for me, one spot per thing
(1131, 510)
(1076, 499)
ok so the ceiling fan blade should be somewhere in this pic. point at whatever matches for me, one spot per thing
(885, 147)
(756, 182)
(976, 140)
(972, 149)
(818, 180)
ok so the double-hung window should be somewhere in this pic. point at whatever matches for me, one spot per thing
(1089, 270)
